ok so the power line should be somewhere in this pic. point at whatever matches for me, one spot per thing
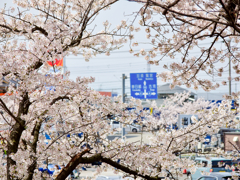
(107, 82)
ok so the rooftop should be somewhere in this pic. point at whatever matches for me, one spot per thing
(165, 89)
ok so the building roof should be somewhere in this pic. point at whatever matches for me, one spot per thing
(165, 89)
(4, 84)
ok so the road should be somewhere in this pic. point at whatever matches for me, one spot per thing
(90, 174)
(141, 137)
(133, 137)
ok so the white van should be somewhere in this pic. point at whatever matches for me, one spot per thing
(128, 128)
(113, 178)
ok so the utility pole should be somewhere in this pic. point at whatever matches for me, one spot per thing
(229, 67)
(230, 80)
(123, 100)
(64, 67)
(123, 87)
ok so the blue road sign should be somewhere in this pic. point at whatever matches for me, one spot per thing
(143, 85)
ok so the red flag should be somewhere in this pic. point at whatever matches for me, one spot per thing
(56, 63)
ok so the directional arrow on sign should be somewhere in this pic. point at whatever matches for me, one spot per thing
(145, 93)
(144, 85)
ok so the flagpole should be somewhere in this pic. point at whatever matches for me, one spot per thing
(64, 67)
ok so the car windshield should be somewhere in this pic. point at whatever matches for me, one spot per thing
(230, 178)
(221, 163)
(108, 177)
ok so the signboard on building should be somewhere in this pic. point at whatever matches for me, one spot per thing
(105, 93)
(143, 85)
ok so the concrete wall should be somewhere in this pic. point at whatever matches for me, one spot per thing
(229, 143)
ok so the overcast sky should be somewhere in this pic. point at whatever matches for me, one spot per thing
(108, 69)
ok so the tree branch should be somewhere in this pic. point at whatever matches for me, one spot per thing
(169, 6)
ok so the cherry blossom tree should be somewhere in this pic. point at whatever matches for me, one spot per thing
(180, 28)
(30, 109)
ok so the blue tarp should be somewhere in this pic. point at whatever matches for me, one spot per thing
(48, 171)
(220, 101)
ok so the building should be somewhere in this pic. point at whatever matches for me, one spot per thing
(165, 91)
(231, 141)
(3, 87)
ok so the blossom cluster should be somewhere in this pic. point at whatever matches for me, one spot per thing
(201, 37)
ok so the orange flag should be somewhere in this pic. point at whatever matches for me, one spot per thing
(56, 63)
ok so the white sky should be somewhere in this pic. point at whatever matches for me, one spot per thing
(108, 69)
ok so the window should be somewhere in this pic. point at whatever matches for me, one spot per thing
(185, 121)
(115, 122)
(204, 163)
(191, 122)
(164, 96)
(207, 178)
(198, 162)
(221, 163)
(230, 177)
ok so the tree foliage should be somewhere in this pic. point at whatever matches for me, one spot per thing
(180, 28)
(30, 109)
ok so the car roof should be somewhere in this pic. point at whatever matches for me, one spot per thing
(211, 158)
(110, 177)
(220, 174)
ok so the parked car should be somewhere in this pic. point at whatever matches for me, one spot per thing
(212, 164)
(109, 178)
(128, 128)
(49, 170)
(219, 176)
(113, 178)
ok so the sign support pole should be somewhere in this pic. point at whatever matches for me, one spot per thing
(123, 100)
